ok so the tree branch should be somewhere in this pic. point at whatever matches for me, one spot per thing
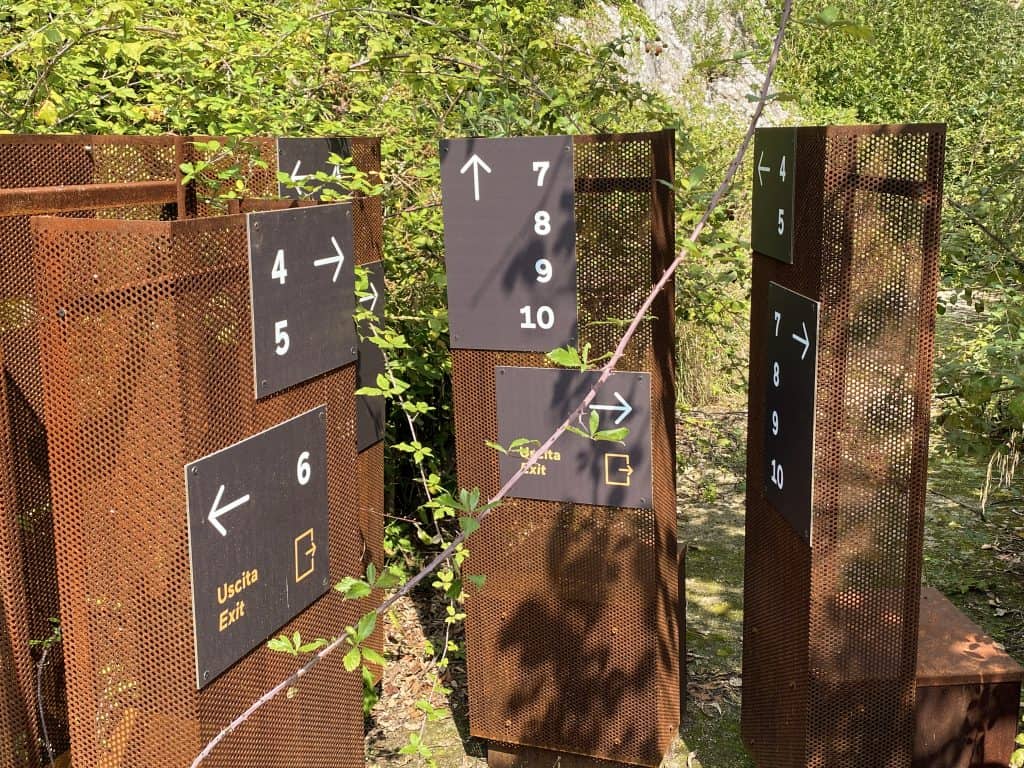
(606, 372)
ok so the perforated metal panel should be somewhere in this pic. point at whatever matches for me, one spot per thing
(147, 365)
(29, 591)
(573, 640)
(830, 633)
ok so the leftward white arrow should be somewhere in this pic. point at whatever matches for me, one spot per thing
(761, 167)
(339, 259)
(372, 298)
(296, 176)
(805, 340)
(624, 408)
(476, 163)
(216, 511)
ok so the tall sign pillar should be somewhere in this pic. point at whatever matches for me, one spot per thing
(573, 640)
(845, 236)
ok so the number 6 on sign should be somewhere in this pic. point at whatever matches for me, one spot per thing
(302, 468)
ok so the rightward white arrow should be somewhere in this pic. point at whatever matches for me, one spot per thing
(476, 164)
(372, 298)
(762, 168)
(216, 511)
(805, 340)
(624, 408)
(328, 260)
(296, 176)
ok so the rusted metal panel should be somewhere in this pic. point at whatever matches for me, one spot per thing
(144, 373)
(968, 692)
(830, 633)
(572, 642)
(30, 201)
(91, 167)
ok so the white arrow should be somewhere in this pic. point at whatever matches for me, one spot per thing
(296, 176)
(476, 164)
(372, 299)
(216, 510)
(328, 260)
(625, 409)
(761, 168)
(805, 340)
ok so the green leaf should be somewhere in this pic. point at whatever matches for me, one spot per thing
(477, 580)
(567, 357)
(496, 446)
(371, 573)
(365, 626)
(595, 422)
(315, 645)
(469, 525)
(829, 15)
(390, 577)
(352, 588)
(282, 644)
(351, 660)
(612, 435)
(373, 657)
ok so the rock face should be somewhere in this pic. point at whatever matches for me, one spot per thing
(676, 35)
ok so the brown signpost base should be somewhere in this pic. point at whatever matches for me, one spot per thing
(968, 692)
(515, 756)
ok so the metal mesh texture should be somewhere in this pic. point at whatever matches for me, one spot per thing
(29, 590)
(147, 360)
(830, 634)
(572, 642)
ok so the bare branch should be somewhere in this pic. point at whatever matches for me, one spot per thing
(606, 371)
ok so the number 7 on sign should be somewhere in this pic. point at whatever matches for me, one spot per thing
(540, 167)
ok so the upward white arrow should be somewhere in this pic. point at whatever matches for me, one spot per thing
(216, 510)
(372, 298)
(327, 260)
(805, 340)
(762, 167)
(476, 164)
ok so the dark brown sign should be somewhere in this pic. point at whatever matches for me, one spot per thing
(258, 538)
(771, 226)
(533, 403)
(789, 405)
(301, 158)
(510, 242)
(303, 294)
(370, 409)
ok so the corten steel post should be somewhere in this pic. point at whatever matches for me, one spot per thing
(831, 626)
(573, 640)
(86, 176)
(76, 176)
(148, 365)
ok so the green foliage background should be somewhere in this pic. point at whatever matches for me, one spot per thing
(959, 62)
(410, 73)
(416, 72)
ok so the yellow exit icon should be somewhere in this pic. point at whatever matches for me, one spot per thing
(617, 470)
(305, 551)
